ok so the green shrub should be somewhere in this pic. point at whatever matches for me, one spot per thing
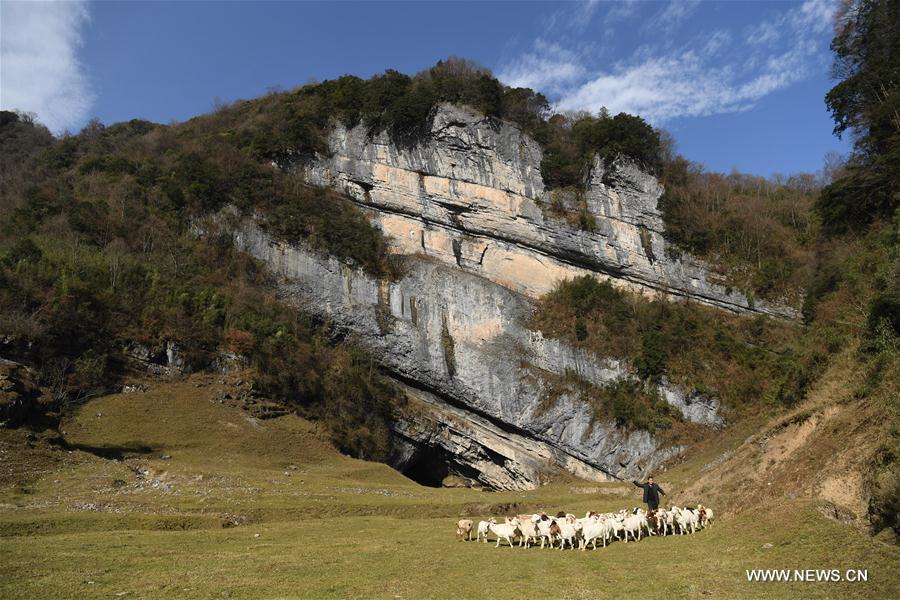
(327, 221)
(633, 408)
(23, 250)
(581, 332)
(695, 347)
(884, 313)
(118, 165)
(758, 233)
(39, 205)
(650, 362)
(570, 145)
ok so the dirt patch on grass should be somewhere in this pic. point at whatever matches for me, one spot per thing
(846, 490)
(65, 523)
(785, 443)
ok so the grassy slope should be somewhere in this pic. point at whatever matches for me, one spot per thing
(338, 527)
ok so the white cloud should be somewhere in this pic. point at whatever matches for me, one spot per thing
(813, 16)
(620, 10)
(548, 67)
(584, 11)
(710, 75)
(763, 33)
(716, 42)
(39, 68)
(671, 16)
(573, 15)
(661, 88)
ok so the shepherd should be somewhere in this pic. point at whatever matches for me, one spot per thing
(651, 493)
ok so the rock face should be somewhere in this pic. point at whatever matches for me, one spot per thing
(481, 377)
(471, 195)
(468, 210)
(164, 360)
(433, 439)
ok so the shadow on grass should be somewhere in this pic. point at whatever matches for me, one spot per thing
(120, 452)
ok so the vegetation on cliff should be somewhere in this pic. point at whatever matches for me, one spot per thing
(757, 234)
(286, 126)
(740, 360)
(630, 403)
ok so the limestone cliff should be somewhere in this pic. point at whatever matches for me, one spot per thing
(468, 211)
(460, 343)
(471, 195)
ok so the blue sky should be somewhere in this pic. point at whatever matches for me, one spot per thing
(739, 84)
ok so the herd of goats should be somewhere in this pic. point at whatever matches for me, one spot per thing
(567, 530)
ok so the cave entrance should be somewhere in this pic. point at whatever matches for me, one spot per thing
(428, 466)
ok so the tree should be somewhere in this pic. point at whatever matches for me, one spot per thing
(866, 103)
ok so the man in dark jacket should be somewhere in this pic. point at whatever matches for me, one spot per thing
(651, 493)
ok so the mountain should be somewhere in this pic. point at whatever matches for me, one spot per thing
(451, 279)
(465, 208)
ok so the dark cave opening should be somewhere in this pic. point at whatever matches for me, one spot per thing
(428, 466)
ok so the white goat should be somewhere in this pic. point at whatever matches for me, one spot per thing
(634, 524)
(592, 529)
(670, 520)
(694, 518)
(662, 522)
(483, 528)
(568, 533)
(504, 531)
(543, 527)
(617, 526)
(685, 519)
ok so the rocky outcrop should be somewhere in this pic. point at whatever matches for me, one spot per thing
(21, 399)
(433, 440)
(462, 339)
(694, 406)
(471, 195)
(165, 359)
